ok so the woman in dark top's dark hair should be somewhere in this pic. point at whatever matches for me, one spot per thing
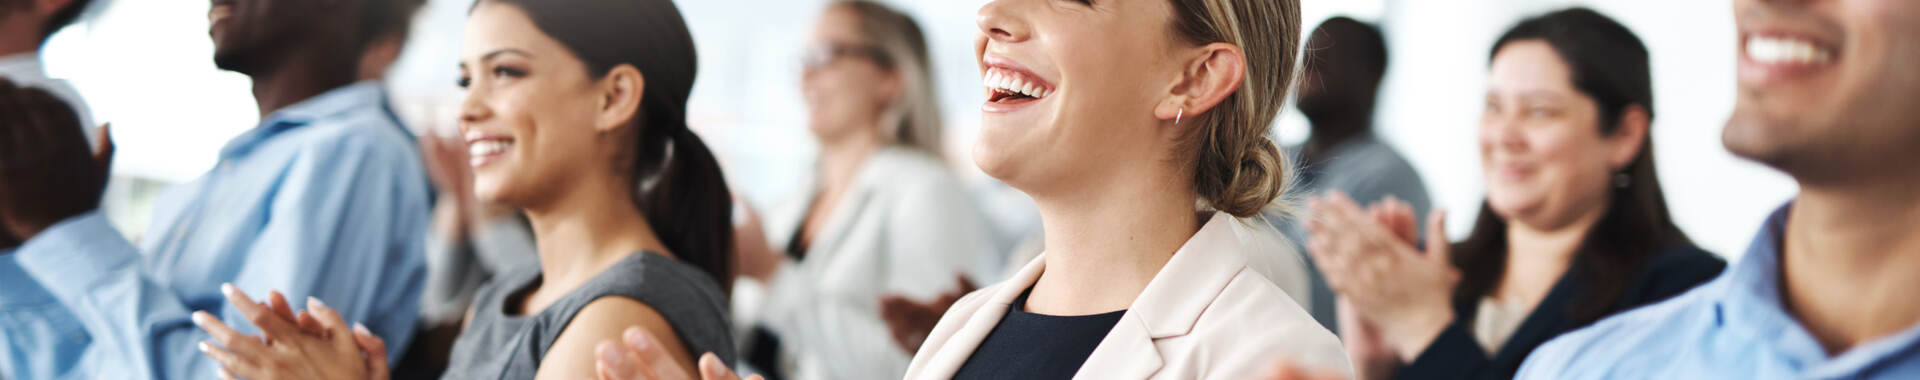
(575, 113)
(1571, 93)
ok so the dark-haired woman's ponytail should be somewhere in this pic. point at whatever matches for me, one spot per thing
(687, 202)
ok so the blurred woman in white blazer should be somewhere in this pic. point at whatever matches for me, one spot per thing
(884, 213)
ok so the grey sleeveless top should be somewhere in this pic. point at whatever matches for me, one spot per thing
(497, 344)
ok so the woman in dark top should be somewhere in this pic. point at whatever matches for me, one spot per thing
(575, 114)
(1574, 227)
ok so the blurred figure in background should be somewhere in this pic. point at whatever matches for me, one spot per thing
(1574, 227)
(325, 198)
(1345, 62)
(1826, 94)
(25, 26)
(884, 214)
(46, 173)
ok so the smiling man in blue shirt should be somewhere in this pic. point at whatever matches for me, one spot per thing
(325, 198)
(1827, 92)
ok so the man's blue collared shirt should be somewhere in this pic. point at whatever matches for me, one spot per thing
(1734, 327)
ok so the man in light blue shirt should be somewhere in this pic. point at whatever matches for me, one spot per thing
(47, 172)
(325, 198)
(1826, 291)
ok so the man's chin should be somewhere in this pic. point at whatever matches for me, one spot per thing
(238, 62)
(1772, 143)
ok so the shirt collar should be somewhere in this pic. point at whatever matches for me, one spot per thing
(1752, 305)
(334, 103)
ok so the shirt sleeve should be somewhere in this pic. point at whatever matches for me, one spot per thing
(349, 228)
(133, 321)
(344, 227)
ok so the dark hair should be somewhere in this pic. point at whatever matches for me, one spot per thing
(1346, 59)
(46, 168)
(385, 18)
(680, 186)
(1609, 65)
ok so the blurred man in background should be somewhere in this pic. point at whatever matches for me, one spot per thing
(1345, 61)
(325, 198)
(45, 173)
(25, 25)
(1826, 94)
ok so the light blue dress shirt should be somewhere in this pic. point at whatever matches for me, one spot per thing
(42, 340)
(326, 198)
(1733, 327)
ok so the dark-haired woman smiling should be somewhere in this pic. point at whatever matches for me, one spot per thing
(575, 113)
(1574, 227)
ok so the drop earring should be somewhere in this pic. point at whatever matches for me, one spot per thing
(1178, 114)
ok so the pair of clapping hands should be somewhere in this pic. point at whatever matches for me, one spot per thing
(1395, 294)
(316, 343)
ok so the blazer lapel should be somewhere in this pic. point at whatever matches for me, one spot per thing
(1126, 353)
(1171, 304)
(954, 353)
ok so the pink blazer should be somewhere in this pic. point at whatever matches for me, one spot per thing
(1206, 315)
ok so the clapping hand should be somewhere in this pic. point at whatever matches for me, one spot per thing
(315, 344)
(638, 356)
(1369, 259)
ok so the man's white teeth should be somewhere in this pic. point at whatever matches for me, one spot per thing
(487, 147)
(1013, 84)
(1786, 50)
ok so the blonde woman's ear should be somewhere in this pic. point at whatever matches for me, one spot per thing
(1217, 72)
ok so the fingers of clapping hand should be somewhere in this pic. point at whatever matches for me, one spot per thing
(1398, 217)
(330, 321)
(229, 341)
(711, 368)
(1437, 246)
(375, 349)
(637, 356)
(260, 314)
(278, 303)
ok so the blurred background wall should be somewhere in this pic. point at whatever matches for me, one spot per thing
(146, 67)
